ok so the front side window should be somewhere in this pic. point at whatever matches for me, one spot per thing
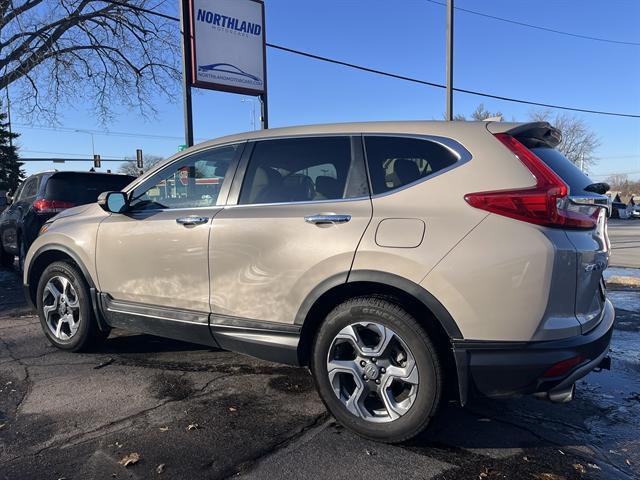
(398, 161)
(190, 183)
(297, 170)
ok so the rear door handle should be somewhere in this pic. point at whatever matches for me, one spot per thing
(320, 219)
(192, 220)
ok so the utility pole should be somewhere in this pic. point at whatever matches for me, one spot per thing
(185, 27)
(449, 68)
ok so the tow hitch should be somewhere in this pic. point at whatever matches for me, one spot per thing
(605, 364)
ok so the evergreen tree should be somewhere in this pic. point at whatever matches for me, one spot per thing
(11, 172)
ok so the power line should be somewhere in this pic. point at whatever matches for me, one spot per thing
(440, 85)
(409, 79)
(101, 132)
(538, 27)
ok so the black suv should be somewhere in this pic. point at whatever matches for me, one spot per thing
(41, 197)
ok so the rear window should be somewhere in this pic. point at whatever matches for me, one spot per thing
(569, 172)
(82, 188)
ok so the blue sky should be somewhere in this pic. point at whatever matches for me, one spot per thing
(405, 37)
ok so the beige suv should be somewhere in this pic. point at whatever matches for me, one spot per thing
(397, 260)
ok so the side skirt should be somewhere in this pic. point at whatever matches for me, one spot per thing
(266, 340)
(185, 325)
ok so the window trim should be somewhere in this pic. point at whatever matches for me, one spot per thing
(450, 144)
(356, 154)
(178, 163)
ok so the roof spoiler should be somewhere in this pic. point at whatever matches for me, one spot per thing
(534, 134)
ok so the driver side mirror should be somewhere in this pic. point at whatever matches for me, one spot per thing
(113, 202)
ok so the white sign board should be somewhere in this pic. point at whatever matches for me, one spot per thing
(228, 45)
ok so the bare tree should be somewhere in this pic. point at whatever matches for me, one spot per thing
(100, 53)
(579, 142)
(621, 183)
(479, 114)
(130, 168)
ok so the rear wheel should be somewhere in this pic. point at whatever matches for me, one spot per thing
(64, 308)
(376, 370)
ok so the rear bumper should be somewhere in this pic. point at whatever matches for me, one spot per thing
(503, 369)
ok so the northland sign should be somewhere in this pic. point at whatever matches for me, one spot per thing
(228, 45)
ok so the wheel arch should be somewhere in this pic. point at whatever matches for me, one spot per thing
(45, 256)
(427, 310)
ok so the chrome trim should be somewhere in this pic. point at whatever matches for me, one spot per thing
(192, 220)
(320, 219)
(276, 204)
(601, 201)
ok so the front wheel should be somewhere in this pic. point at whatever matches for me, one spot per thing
(376, 370)
(64, 308)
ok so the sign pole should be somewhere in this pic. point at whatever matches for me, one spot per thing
(449, 68)
(185, 24)
(264, 103)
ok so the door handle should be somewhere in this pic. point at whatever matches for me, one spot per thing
(320, 219)
(192, 220)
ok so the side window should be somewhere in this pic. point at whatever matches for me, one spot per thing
(29, 190)
(397, 161)
(297, 170)
(189, 183)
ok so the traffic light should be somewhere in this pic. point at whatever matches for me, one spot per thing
(139, 162)
(96, 161)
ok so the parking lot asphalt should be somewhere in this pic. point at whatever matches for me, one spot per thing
(625, 243)
(186, 412)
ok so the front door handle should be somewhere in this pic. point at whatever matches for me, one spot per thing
(192, 220)
(320, 219)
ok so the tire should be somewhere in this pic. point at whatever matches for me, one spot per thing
(6, 259)
(79, 332)
(411, 401)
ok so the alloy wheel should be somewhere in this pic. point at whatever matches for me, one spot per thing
(372, 372)
(61, 307)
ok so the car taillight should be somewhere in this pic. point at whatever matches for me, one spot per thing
(547, 203)
(51, 206)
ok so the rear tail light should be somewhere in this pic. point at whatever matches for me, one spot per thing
(51, 206)
(547, 203)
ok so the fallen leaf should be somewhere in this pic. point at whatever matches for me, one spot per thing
(483, 475)
(526, 459)
(160, 468)
(118, 444)
(193, 426)
(628, 462)
(561, 452)
(370, 452)
(579, 468)
(594, 466)
(233, 409)
(164, 429)
(2, 425)
(130, 459)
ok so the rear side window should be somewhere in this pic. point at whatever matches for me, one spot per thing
(297, 170)
(30, 189)
(568, 171)
(83, 188)
(398, 161)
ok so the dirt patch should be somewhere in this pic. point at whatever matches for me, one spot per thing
(292, 384)
(171, 385)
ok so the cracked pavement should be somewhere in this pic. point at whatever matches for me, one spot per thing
(205, 413)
